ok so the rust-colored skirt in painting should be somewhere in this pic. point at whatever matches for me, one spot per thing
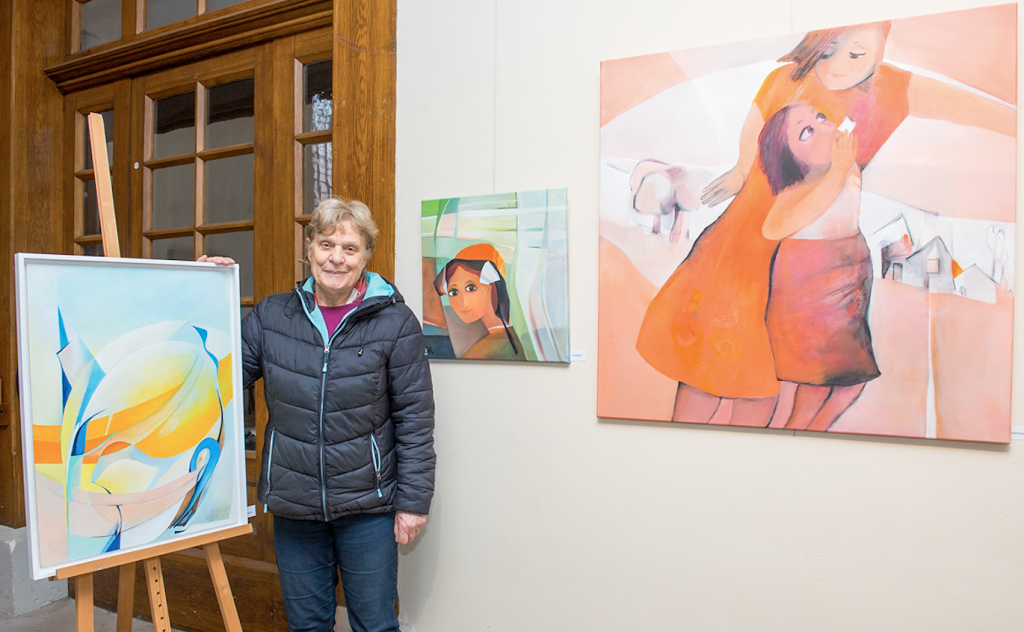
(817, 312)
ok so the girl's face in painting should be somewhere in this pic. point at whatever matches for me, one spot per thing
(470, 298)
(810, 136)
(852, 58)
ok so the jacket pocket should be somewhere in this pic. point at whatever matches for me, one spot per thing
(270, 465)
(375, 456)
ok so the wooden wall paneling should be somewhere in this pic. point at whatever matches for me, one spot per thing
(122, 167)
(72, 147)
(138, 152)
(239, 27)
(36, 123)
(364, 114)
(313, 43)
(228, 67)
(191, 600)
(132, 13)
(7, 359)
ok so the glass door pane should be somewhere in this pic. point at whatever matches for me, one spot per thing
(100, 22)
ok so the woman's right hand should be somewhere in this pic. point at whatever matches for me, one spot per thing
(723, 187)
(221, 261)
(844, 151)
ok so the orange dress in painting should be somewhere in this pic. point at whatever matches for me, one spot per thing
(706, 326)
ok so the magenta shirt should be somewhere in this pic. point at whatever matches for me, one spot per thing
(333, 315)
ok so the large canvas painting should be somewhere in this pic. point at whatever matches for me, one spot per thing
(814, 231)
(129, 374)
(495, 277)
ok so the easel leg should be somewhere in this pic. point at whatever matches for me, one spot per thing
(83, 603)
(126, 597)
(220, 583)
(157, 596)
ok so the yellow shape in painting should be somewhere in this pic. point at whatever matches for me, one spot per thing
(54, 472)
(126, 476)
(198, 410)
(224, 379)
(97, 429)
(131, 416)
(143, 381)
(157, 394)
(86, 483)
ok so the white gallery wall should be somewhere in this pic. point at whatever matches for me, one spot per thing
(547, 518)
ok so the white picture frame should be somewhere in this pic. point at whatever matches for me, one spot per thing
(130, 436)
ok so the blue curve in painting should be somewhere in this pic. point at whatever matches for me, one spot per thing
(65, 387)
(214, 455)
(63, 331)
(65, 384)
(203, 334)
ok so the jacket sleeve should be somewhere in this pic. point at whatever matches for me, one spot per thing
(252, 347)
(412, 410)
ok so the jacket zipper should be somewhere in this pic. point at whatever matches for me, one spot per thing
(323, 389)
(375, 455)
(270, 463)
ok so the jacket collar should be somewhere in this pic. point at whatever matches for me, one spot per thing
(376, 287)
(379, 291)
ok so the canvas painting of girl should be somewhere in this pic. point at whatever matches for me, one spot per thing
(495, 277)
(787, 270)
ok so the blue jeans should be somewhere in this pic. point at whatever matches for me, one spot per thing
(309, 554)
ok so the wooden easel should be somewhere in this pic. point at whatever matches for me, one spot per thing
(151, 556)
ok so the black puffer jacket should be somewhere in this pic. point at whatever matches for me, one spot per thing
(351, 422)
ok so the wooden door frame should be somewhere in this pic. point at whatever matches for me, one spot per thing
(365, 88)
(364, 42)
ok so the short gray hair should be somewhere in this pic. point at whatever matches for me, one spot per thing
(331, 213)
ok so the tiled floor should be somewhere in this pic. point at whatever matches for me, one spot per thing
(60, 617)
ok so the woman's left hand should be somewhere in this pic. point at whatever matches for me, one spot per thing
(407, 526)
(221, 261)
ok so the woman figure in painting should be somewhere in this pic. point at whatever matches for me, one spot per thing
(821, 274)
(706, 326)
(475, 284)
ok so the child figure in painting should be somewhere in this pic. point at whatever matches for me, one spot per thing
(475, 284)
(821, 274)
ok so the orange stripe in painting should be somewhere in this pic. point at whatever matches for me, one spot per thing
(45, 433)
(46, 444)
(46, 452)
(177, 436)
(97, 429)
(130, 416)
(116, 446)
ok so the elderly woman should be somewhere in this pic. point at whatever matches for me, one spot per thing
(348, 457)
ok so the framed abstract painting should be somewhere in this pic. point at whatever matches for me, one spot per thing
(495, 277)
(132, 430)
(814, 231)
